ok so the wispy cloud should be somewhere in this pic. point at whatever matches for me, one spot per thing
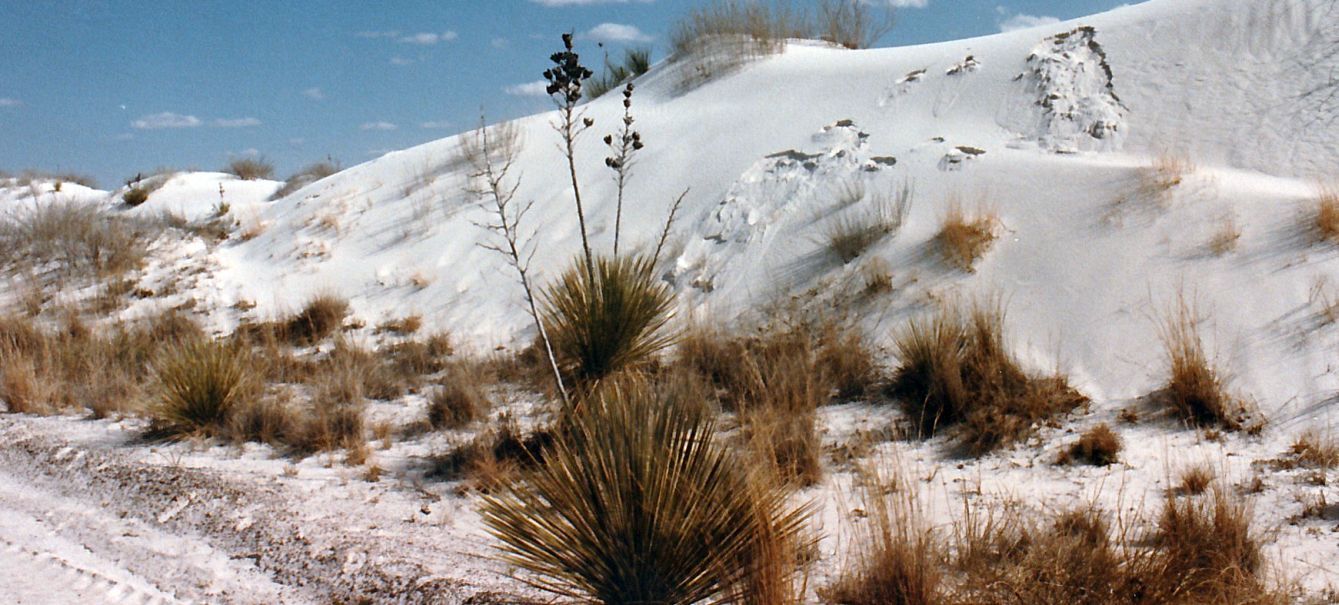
(8, 102)
(908, 3)
(166, 119)
(374, 35)
(529, 89)
(378, 126)
(435, 125)
(398, 60)
(429, 38)
(499, 43)
(236, 122)
(617, 32)
(315, 94)
(1018, 22)
(586, 2)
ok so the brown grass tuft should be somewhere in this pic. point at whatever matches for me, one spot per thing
(964, 239)
(1195, 390)
(1327, 215)
(321, 316)
(459, 400)
(1195, 480)
(1209, 552)
(250, 169)
(1098, 446)
(1226, 238)
(1311, 449)
(955, 371)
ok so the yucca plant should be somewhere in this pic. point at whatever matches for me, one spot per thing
(608, 320)
(200, 384)
(637, 503)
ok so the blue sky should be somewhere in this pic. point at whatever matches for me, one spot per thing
(112, 88)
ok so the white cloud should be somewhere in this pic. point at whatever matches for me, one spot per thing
(378, 126)
(8, 102)
(586, 2)
(499, 43)
(908, 3)
(385, 34)
(435, 124)
(1017, 22)
(398, 60)
(236, 122)
(617, 32)
(315, 94)
(429, 38)
(166, 119)
(529, 89)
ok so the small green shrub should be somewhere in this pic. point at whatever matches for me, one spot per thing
(614, 319)
(636, 61)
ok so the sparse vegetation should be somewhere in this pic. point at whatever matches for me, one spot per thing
(850, 235)
(1327, 215)
(853, 23)
(964, 239)
(458, 401)
(1226, 237)
(135, 196)
(1313, 449)
(308, 175)
(1098, 446)
(200, 384)
(75, 239)
(250, 168)
(1166, 172)
(636, 61)
(612, 319)
(954, 371)
(321, 316)
(1195, 479)
(1195, 391)
(636, 503)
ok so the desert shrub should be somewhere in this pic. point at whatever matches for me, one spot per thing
(267, 420)
(76, 239)
(1195, 391)
(330, 426)
(199, 385)
(459, 400)
(853, 23)
(855, 232)
(964, 239)
(308, 175)
(250, 169)
(1098, 446)
(408, 324)
(135, 196)
(636, 61)
(897, 559)
(322, 315)
(954, 370)
(636, 503)
(350, 373)
(610, 320)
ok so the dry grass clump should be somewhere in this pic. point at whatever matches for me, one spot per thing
(74, 239)
(776, 379)
(135, 196)
(1195, 390)
(1326, 223)
(853, 23)
(955, 372)
(1195, 480)
(608, 321)
(493, 458)
(200, 384)
(719, 37)
(1226, 238)
(459, 400)
(408, 324)
(306, 176)
(851, 235)
(1200, 551)
(321, 316)
(250, 169)
(1098, 446)
(1311, 449)
(897, 559)
(964, 239)
(637, 503)
(1167, 171)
